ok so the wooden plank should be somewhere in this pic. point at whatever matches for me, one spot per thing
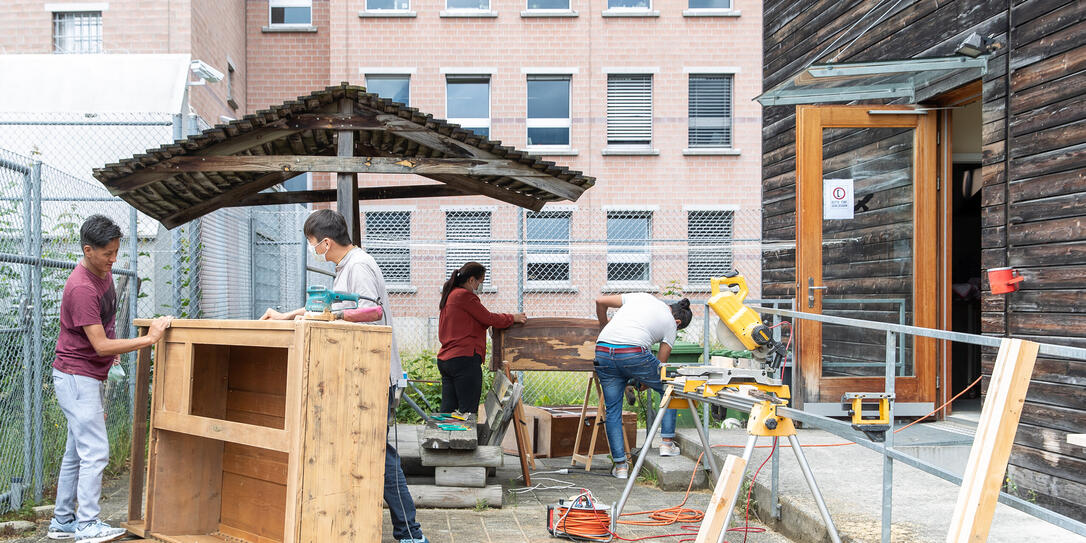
(474, 477)
(988, 457)
(175, 370)
(447, 497)
(489, 456)
(209, 364)
(141, 406)
(354, 164)
(346, 396)
(237, 192)
(296, 422)
(255, 463)
(1078, 440)
(245, 434)
(547, 343)
(524, 448)
(222, 324)
(347, 183)
(723, 500)
(329, 195)
(234, 337)
(187, 478)
(253, 505)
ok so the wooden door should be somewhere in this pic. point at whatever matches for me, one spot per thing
(877, 262)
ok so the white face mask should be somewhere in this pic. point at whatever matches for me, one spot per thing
(316, 256)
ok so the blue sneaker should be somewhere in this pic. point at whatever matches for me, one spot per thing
(98, 532)
(410, 540)
(62, 530)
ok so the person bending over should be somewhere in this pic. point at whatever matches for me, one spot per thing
(461, 328)
(624, 353)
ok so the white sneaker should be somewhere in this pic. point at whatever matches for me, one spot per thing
(621, 470)
(98, 532)
(669, 448)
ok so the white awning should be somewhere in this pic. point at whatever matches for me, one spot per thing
(846, 82)
(92, 83)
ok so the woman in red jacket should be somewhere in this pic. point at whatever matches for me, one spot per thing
(462, 328)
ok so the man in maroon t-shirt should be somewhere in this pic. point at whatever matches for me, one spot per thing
(86, 348)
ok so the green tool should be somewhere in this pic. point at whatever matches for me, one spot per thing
(452, 427)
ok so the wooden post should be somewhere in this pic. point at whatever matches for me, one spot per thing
(523, 447)
(347, 183)
(992, 445)
(722, 501)
(138, 468)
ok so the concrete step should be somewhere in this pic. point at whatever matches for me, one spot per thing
(673, 472)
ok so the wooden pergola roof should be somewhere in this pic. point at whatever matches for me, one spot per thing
(339, 129)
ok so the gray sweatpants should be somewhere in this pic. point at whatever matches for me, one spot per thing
(87, 450)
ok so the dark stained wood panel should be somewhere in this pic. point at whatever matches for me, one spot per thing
(549, 344)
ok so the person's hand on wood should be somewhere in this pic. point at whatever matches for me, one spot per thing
(520, 318)
(159, 326)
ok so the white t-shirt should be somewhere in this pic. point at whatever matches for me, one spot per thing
(358, 273)
(642, 321)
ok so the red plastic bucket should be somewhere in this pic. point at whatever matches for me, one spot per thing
(1004, 280)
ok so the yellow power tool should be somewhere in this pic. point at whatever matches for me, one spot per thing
(743, 323)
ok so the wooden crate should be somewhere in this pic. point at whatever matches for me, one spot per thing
(263, 431)
(553, 430)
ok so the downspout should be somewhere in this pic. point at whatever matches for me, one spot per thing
(1007, 160)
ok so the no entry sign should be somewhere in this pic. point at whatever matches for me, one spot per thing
(837, 196)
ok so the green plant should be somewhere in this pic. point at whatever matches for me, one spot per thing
(481, 505)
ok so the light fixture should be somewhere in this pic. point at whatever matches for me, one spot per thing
(976, 45)
(205, 72)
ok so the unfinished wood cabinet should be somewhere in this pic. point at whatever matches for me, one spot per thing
(262, 431)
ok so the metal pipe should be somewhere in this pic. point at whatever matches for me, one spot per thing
(49, 262)
(887, 462)
(709, 460)
(36, 318)
(520, 260)
(133, 294)
(617, 509)
(24, 321)
(809, 477)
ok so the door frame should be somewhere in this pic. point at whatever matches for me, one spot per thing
(810, 121)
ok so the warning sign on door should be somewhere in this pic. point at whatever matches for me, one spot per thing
(837, 196)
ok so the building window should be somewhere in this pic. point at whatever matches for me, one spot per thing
(629, 4)
(467, 102)
(481, 5)
(710, 4)
(710, 110)
(548, 4)
(77, 32)
(628, 235)
(387, 237)
(548, 249)
(629, 110)
(375, 5)
(709, 236)
(393, 87)
(548, 111)
(290, 12)
(467, 236)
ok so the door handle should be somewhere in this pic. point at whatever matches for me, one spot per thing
(811, 288)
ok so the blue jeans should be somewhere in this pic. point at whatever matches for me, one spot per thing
(614, 370)
(401, 507)
(86, 452)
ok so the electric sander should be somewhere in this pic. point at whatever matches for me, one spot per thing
(319, 301)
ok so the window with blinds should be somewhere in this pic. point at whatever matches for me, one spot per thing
(387, 241)
(467, 236)
(628, 235)
(709, 245)
(77, 32)
(629, 109)
(710, 110)
(547, 234)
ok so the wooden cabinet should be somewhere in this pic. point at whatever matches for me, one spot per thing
(262, 431)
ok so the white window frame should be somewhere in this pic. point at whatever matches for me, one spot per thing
(550, 258)
(488, 11)
(638, 257)
(566, 123)
(76, 13)
(407, 287)
(290, 4)
(622, 11)
(388, 11)
(731, 210)
(389, 75)
(470, 123)
(567, 11)
(619, 147)
(480, 248)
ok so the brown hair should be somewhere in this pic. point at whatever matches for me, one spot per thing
(459, 277)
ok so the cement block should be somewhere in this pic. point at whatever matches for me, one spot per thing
(44, 511)
(673, 472)
(16, 527)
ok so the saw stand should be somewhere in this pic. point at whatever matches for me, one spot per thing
(763, 421)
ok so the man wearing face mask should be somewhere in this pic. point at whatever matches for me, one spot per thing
(357, 272)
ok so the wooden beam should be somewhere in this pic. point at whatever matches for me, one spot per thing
(1077, 439)
(141, 407)
(348, 164)
(224, 430)
(991, 450)
(723, 500)
(347, 183)
(236, 193)
(474, 186)
(329, 195)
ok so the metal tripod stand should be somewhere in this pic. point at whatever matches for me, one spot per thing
(764, 421)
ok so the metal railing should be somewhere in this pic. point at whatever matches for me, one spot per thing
(890, 454)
